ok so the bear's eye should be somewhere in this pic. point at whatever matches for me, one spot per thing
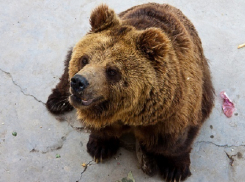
(111, 72)
(84, 61)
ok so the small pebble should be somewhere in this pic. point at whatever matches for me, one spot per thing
(40, 126)
(211, 136)
(239, 155)
(2, 123)
(232, 149)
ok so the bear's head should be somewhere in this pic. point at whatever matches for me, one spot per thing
(115, 69)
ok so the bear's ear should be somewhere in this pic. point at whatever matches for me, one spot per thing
(102, 18)
(153, 43)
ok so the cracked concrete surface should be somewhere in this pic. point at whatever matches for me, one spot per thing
(35, 36)
(9, 74)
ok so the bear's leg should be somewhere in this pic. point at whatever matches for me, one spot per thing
(174, 168)
(146, 160)
(102, 147)
(58, 100)
(174, 161)
(171, 153)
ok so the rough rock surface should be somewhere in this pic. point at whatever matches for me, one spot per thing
(35, 36)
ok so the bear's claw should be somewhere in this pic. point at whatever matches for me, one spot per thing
(101, 148)
(176, 174)
(173, 169)
(58, 103)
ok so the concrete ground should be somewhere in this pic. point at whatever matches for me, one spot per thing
(35, 36)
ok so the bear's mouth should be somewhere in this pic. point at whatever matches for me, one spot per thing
(75, 100)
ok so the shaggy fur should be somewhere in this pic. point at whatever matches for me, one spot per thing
(146, 74)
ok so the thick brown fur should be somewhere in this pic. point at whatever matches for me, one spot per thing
(147, 74)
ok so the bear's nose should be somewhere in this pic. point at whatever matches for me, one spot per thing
(78, 83)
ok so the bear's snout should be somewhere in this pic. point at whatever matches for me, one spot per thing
(78, 84)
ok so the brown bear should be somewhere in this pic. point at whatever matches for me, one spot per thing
(142, 71)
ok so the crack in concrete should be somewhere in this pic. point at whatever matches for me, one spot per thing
(79, 129)
(68, 119)
(29, 95)
(231, 158)
(224, 146)
(34, 150)
(51, 148)
(85, 168)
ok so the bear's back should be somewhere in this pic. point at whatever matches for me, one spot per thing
(185, 41)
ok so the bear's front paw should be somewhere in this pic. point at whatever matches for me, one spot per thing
(100, 148)
(172, 169)
(58, 103)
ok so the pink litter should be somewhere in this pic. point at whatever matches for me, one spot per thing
(228, 106)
